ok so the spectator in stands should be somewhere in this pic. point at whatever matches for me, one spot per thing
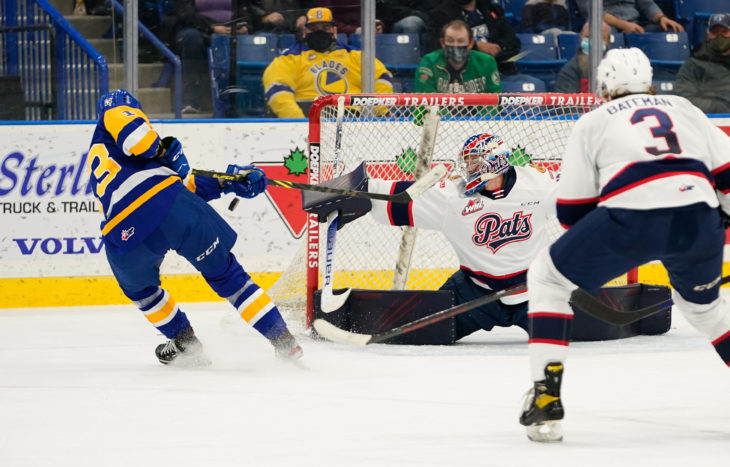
(491, 30)
(405, 16)
(704, 78)
(633, 16)
(456, 67)
(347, 13)
(545, 17)
(187, 31)
(318, 67)
(575, 74)
(276, 16)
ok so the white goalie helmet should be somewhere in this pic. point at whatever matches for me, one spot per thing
(623, 71)
(482, 158)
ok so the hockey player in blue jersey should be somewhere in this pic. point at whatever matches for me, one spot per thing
(643, 177)
(151, 204)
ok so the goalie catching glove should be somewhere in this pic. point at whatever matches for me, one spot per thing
(350, 208)
(170, 154)
(253, 185)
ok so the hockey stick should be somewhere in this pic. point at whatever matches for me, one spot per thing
(335, 334)
(592, 306)
(328, 301)
(413, 191)
(423, 162)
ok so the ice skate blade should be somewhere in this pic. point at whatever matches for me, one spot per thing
(546, 432)
(195, 360)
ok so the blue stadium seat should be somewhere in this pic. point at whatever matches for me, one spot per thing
(664, 87)
(694, 14)
(513, 12)
(219, 62)
(541, 57)
(257, 49)
(617, 41)
(568, 45)
(667, 51)
(286, 41)
(522, 83)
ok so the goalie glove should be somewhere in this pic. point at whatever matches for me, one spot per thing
(172, 156)
(253, 185)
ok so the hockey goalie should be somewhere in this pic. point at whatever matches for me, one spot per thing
(494, 215)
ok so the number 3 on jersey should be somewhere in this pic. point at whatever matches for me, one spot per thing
(664, 130)
(105, 170)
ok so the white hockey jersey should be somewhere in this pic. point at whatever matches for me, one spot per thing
(494, 239)
(643, 152)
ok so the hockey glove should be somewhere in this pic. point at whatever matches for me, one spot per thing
(254, 183)
(174, 157)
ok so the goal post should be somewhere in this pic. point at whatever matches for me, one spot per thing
(385, 131)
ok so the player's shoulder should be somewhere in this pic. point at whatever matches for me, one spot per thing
(536, 173)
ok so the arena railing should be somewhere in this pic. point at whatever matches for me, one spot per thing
(61, 73)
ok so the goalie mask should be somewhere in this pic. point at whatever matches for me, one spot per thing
(483, 157)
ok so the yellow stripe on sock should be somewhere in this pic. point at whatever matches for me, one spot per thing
(163, 313)
(257, 305)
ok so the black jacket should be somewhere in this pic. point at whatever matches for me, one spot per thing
(500, 31)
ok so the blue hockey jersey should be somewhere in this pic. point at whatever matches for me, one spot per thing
(134, 190)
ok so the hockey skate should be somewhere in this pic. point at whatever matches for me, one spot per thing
(286, 347)
(183, 350)
(542, 409)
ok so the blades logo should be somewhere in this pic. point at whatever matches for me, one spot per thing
(494, 232)
(127, 233)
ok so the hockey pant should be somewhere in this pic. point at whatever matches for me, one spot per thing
(197, 232)
(606, 243)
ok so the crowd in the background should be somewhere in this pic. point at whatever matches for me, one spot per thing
(487, 38)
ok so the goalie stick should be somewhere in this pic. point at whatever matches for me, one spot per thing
(330, 302)
(592, 306)
(335, 334)
(579, 298)
(413, 191)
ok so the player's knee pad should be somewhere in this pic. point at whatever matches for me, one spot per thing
(142, 297)
(712, 319)
(549, 290)
(228, 279)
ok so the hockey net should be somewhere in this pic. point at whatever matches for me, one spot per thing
(388, 133)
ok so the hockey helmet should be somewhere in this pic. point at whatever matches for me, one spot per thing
(623, 71)
(483, 157)
(115, 99)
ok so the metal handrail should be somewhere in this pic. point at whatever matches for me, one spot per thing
(177, 64)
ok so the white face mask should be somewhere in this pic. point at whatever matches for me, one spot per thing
(585, 45)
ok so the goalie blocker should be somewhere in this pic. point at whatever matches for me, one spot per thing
(375, 311)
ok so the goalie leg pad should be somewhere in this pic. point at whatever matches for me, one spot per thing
(350, 208)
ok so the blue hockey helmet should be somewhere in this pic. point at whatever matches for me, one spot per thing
(482, 158)
(117, 98)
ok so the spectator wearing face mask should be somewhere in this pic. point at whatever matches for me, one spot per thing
(456, 67)
(318, 67)
(704, 78)
(575, 74)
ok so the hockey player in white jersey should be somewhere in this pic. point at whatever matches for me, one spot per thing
(494, 217)
(642, 179)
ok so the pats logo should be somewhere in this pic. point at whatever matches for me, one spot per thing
(474, 205)
(492, 231)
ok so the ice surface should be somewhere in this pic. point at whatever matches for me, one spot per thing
(81, 387)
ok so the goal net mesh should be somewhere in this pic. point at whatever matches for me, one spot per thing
(387, 132)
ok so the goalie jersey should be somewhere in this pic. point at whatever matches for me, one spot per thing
(627, 154)
(495, 238)
(135, 192)
(303, 74)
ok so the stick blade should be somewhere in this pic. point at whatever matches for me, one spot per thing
(330, 302)
(331, 332)
(428, 180)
